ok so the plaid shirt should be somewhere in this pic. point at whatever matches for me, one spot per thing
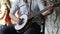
(36, 7)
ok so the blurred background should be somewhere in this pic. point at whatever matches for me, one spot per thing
(5, 6)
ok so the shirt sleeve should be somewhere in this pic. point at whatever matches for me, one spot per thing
(41, 4)
(14, 7)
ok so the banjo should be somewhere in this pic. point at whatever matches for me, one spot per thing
(27, 22)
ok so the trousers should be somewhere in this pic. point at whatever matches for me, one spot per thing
(34, 29)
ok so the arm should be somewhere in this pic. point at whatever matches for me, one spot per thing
(41, 7)
(49, 11)
(13, 10)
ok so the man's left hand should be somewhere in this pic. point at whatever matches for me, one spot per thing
(50, 7)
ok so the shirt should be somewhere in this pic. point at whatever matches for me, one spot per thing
(36, 7)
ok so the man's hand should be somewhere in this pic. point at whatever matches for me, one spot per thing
(50, 7)
(49, 11)
(20, 21)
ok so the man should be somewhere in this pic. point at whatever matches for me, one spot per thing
(24, 5)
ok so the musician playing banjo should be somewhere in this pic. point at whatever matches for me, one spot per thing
(26, 9)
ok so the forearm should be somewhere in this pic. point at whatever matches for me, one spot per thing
(13, 17)
(49, 11)
(46, 13)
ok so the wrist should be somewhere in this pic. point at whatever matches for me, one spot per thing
(17, 20)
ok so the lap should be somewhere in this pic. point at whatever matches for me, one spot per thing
(34, 29)
(8, 30)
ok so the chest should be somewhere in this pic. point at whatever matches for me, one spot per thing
(32, 4)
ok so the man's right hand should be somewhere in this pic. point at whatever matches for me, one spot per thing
(20, 21)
